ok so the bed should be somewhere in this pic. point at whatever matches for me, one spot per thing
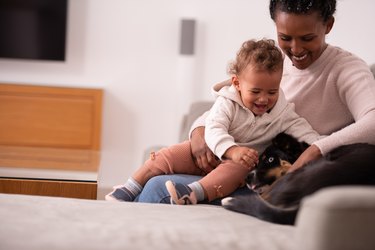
(336, 218)
(30, 222)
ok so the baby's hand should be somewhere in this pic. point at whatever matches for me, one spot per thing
(243, 155)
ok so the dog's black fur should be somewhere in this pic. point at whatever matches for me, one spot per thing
(275, 161)
(347, 165)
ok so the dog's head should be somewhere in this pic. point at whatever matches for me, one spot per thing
(275, 161)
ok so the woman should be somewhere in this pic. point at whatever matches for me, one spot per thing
(331, 88)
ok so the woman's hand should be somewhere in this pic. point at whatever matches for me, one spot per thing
(310, 154)
(243, 155)
(202, 154)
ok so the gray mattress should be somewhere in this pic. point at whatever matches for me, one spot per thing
(35, 222)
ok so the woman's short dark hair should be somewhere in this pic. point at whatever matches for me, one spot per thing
(326, 8)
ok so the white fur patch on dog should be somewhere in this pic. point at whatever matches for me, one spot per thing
(226, 201)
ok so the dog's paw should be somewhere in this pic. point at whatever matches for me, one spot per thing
(255, 206)
(226, 202)
(239, 204)
(229, 203)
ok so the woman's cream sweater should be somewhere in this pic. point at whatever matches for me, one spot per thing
(336, 95)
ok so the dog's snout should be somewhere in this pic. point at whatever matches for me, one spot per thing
(251, 175)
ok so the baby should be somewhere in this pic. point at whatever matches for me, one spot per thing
(245, 117)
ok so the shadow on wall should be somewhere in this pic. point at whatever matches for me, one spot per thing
(118, 136)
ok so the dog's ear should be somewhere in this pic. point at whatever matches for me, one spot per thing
(285, 142)
(289, 145)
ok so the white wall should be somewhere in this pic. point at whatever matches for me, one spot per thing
(130, 49)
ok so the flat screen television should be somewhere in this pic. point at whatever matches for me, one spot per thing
(33, 29)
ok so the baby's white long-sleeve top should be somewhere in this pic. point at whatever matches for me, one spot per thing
(230, 123)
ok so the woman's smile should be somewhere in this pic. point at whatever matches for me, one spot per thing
(300, 60)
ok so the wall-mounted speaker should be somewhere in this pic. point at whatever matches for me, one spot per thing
(187, 37)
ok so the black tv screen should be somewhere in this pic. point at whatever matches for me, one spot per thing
(33, 29)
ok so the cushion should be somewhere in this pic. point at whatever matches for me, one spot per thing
(337, 218)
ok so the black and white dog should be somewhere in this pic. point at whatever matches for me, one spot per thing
(279, 203)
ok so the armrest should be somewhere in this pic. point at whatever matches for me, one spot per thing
(337, 218)
(196, 109)
(372, 68)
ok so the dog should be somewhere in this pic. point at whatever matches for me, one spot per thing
(275, 161)
(346, 165)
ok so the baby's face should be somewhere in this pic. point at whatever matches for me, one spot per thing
(259, 90)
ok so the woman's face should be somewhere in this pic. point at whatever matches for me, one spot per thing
(302, 36)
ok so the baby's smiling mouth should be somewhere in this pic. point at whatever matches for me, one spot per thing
(262, 107)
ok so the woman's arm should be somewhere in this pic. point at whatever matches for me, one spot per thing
(310, 154)
(202, 154)
(356, 88)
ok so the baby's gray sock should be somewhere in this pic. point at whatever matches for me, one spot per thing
(198, 190)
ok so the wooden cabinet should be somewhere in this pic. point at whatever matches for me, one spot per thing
(50, 140)
(58, 188)
(49, 171)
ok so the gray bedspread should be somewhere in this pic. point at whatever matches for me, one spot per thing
(35, 222)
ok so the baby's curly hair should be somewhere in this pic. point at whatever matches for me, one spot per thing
(326, 8)
(262, 54)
